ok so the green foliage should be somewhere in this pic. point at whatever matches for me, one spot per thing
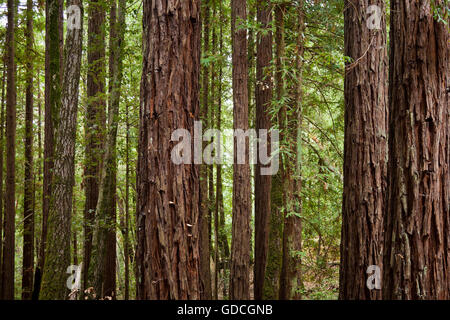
(321, 142)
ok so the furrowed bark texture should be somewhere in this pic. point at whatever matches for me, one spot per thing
(60, 214)
(263, 183)
(53, 73)
(240, 243)
(417, 239)
(94, 128)
(365, 151)
(168, 258)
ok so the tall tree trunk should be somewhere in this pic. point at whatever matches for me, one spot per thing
(168, 258)
(417, 223)
(251, 56)
(241, 233)
(263, 183)
(7, 289)
(286, 172)
(105, 241)
(39, 130)
(290, 282)
(28, 210)
(39, 238)
(53, 63)
(296, 221)
(60, 213)
(205, 271)
(365, 151)
(94, 128)
(278, 188)
(2, 156)
(212, 200)
(126, 245)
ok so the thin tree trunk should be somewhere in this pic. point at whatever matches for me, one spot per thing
(39, 130)
(28, 210)
(273, 274)
(7, 289)
(37, 273)
(205, 271)
(127, 208)
(168, 258)
(74, 294)
(263, 183)
(417, 223)
(2, 155)
(286, 172)
(290, 283)
(60, 214)
(213, 124)
(105, 235)
(241, 233)
(251, 56)
(296, 221)
(75, 233)
(94, 129)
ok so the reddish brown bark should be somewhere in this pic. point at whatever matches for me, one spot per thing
(168, 258)
(2, 157)
(365, 151)
(240, 243)
(417, 224)
(7, 289)
(263, 183)
(28, 210)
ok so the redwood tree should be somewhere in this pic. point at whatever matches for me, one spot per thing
(2, 157)
(241, 233)
(168, 258)
(365, 150)
(28, 200)
(417, 224)
(263, 183)
(7, 282)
